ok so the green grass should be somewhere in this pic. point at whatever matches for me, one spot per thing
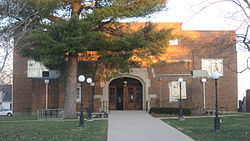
(233, 128)
(29, 129)
(17, 118)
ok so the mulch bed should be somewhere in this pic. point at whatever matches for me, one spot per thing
(168, 115)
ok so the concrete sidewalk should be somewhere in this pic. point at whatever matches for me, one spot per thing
(139, 126)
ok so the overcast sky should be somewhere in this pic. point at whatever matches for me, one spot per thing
(215, 17)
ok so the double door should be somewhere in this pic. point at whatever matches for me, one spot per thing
(125, 98)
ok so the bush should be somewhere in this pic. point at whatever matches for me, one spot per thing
(157, 110)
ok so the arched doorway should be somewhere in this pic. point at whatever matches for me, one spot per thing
(125, 94)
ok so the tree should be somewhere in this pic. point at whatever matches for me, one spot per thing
(66, 29)
(6, 47)
(240, 13)
(15, 22)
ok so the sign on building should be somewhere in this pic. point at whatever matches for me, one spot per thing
(174, 91)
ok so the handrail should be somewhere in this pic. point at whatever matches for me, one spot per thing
(50, 114)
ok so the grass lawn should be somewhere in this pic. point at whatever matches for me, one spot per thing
(29, 129)
(233, 128)
(17, 118)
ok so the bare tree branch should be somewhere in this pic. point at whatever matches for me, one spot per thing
(243, 40)
(9, 24)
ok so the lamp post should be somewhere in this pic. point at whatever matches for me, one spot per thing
(181, 117)
(91, 83)
(160, 93)
(203, 81)
(81, 79)
(46, 81)
(216, 76)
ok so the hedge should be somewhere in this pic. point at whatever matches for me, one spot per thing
(171, 111)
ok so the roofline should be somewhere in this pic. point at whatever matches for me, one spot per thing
(212, 30)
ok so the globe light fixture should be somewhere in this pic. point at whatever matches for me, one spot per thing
(215, 75)
(81, 78)
(89, 80)
(180, 80)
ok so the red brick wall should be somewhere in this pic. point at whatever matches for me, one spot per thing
(21, 85)
(29, 94)
(195, 46)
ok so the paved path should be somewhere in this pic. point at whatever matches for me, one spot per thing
(139, 126)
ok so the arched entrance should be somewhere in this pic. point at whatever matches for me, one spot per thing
(125, 94)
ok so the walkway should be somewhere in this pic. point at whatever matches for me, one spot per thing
(139, 126)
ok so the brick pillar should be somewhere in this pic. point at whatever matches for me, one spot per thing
(248, 100)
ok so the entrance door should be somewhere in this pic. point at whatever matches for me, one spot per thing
(119, 98)
(125, 94)
(130, 96)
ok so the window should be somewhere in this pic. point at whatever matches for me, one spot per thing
(78, 92)
(36, 69)
(213, 65)
(131, 95)
(174, 42)
(112, 93)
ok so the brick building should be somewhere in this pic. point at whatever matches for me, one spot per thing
(193, 50)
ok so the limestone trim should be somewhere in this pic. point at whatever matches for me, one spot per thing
(139, 74)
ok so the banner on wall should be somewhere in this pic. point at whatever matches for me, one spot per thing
(174, 91)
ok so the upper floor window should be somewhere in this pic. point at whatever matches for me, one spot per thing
(38, 70)
(213, 65)
(174, 42)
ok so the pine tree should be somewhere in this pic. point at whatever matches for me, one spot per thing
(65, 29)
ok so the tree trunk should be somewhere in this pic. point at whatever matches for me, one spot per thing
(71, 83)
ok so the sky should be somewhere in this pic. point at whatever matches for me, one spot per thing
(215, 17)
(220, 16)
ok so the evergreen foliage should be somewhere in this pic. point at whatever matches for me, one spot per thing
(63, 29)
(96, 28)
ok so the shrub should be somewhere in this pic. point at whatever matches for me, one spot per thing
(164, 110)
